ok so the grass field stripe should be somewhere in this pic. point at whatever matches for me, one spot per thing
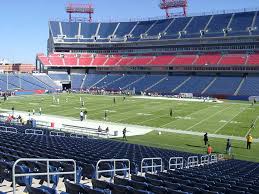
(154, 118)
(125, 118)
(186, 116)
(136, 104)
(249, 131)
(158, 110)
(208, 117)
(230, 120)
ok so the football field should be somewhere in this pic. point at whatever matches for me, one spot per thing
(232, 118)
(228, 118)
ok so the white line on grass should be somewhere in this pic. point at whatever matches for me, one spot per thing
(208, 117)
(249, 131)
(143, 110)
(230, 120)
(154, 118)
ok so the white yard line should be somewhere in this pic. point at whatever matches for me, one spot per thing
(229, 120)
(208, 118)
(249, 131)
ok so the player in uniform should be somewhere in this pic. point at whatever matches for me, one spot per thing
(171, 112)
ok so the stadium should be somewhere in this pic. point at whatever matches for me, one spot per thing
(148, 106)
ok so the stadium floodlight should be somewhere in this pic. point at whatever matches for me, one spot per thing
(172, 4)
(74, 8)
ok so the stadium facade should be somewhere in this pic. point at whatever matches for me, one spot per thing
(214, 55)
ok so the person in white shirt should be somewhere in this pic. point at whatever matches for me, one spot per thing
(81, 116)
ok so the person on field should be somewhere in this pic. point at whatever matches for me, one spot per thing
(85, 114)
(124, 98)
(105, 115)
(13, 110)
(124, 134)
(114, 100)
(249, 141)
(33, 112)
(81, 116)
(228, 147)
(171, 112)
(107, 130)
(40, 111)
(209, 149)
(99, 129)
(205, 138)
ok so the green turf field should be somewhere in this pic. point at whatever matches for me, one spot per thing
(228, 118)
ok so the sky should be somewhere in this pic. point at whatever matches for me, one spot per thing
(24, 23)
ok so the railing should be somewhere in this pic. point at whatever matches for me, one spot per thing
(153, 165)
(8, 129)
(205, 159)
(114, 170)
(55, 133)
(48, 173)
(213, 158)
(193, 161)
(74, 135)
(34, 132)
(220, 157)
(176, 162)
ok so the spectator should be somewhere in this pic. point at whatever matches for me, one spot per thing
(206, 139)
(228, 147)
(249, 140)
(209, 150)
(99, 129)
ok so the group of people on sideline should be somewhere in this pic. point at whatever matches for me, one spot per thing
(249, 141)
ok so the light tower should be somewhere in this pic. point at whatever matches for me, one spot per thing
(173, 4)
(73, 8)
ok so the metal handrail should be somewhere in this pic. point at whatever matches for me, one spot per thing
(74, 135)
(178, 162)
(213, 158)
(192, 161)
(205, 159)
(34, 132)
(152, 164)
(114, 170)
(220, 156)
(55, 133)
(48, 174)
(7, 129)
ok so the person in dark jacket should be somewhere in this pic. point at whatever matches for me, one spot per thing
(228, 147)
(206, 139)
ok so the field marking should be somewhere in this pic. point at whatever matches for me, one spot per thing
(137, 116)
(249, 131)
(208, 118)
(221, 127)
(185, 116)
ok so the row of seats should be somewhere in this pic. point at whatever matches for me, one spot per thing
(224, 177)
(236, 24)
(161, 83)
(175, 84)
(116, 60)
(26, 82)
